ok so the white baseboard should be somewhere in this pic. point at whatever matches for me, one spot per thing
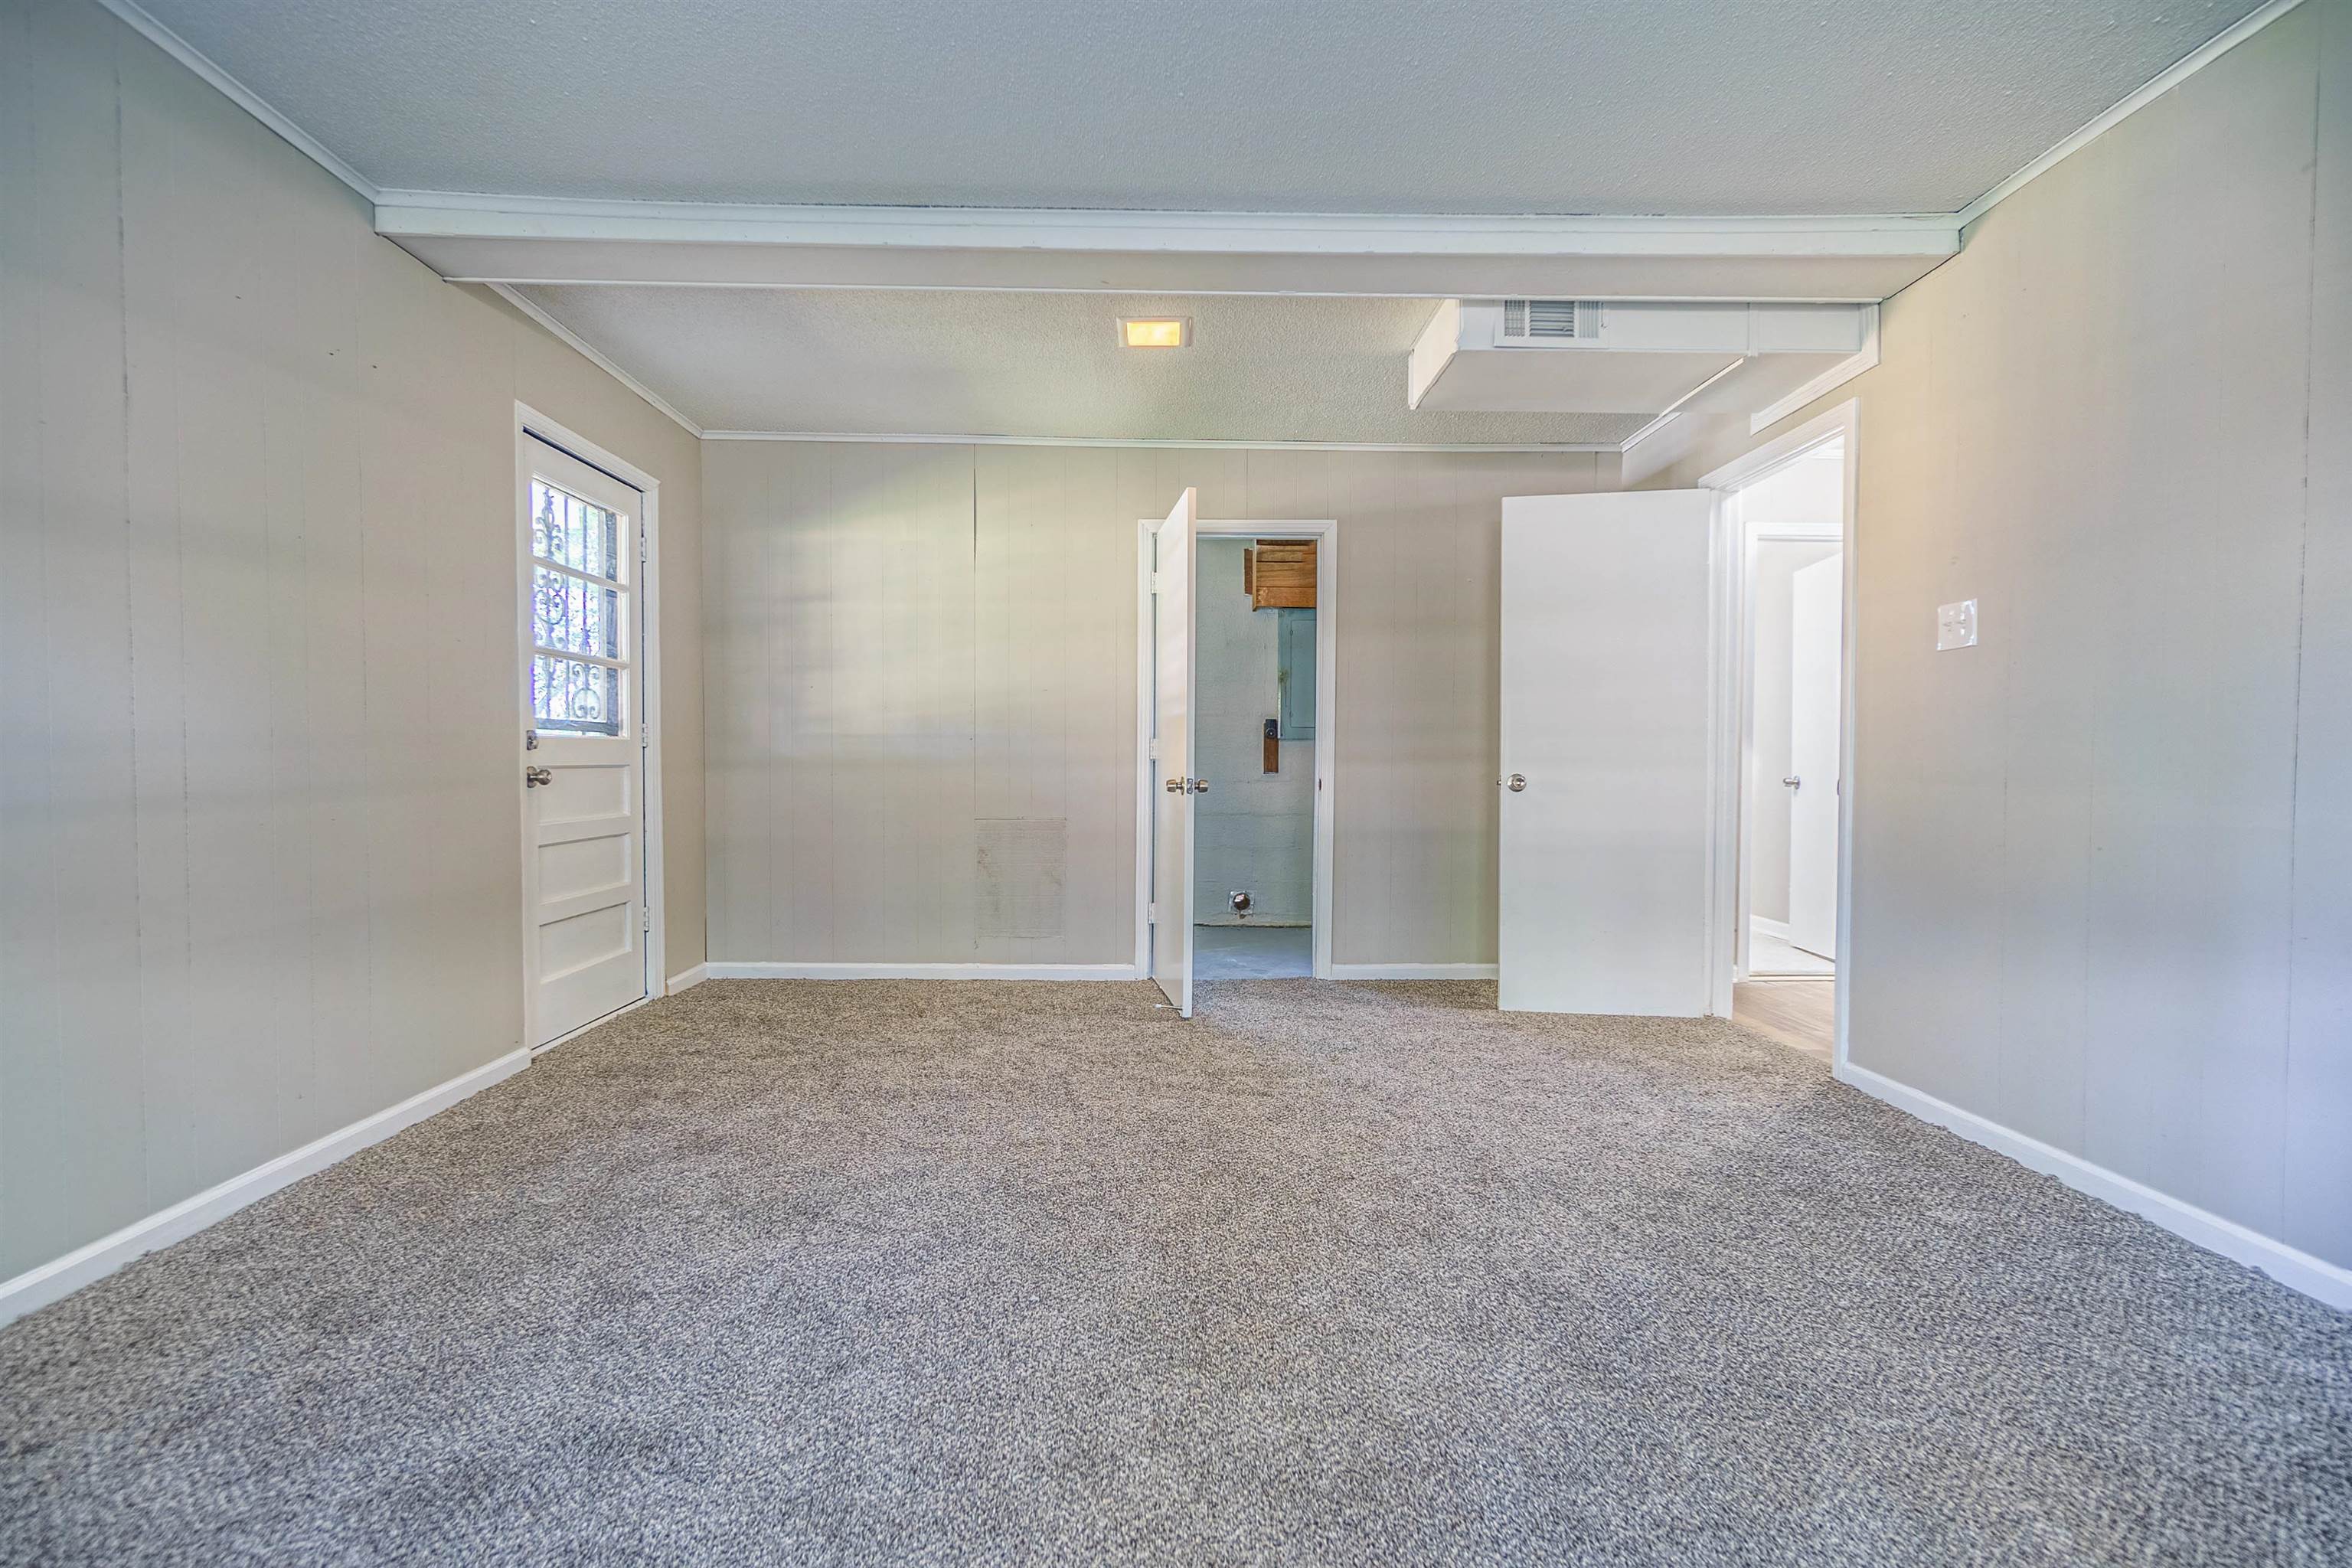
(922, 972)
(689, 979)
(1413, 972)
(2287, 1265)
(61, 1277)
(1770, 927)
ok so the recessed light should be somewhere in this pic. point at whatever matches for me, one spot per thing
(1155, 331)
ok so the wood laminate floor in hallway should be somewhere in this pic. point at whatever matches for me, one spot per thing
(1799, 1013)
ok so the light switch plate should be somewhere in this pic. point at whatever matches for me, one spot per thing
(1955, 625)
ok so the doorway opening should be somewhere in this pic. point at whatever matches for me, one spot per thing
(1237, 743)
(1254, 693)
(1787, 514)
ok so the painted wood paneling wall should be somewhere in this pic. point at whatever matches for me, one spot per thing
(259, 850)
(907, 641)
(2102, 862)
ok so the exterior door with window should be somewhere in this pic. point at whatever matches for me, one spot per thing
(584, 756)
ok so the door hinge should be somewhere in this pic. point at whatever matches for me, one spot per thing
(1151, 914)
(641, 548)
(1155, 582)
(1151, 748)
(647, 918)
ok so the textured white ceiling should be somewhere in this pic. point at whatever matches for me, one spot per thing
(1385, 106)
(921, 361)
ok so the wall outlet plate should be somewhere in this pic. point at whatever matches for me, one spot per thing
(1956, 626)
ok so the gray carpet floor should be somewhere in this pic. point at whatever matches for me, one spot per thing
(944, 1273)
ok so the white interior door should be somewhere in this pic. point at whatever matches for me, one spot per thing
(1173, 565)
(1604, 786)
(1815, 636)
(584, 756)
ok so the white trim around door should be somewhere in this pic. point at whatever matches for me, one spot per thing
(528, 425)
(1325, 532)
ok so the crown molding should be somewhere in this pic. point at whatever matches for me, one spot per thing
(244, 97)
(2164, 82)
(594, 356)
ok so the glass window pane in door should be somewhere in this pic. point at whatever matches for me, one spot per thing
(574, 533)
(574, 616)
(573, 698)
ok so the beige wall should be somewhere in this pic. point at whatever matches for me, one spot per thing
(2102, 871)
(907, 642)
(259, 856)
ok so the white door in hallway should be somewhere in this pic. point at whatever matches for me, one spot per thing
(1815, 701)
(1604, 777)
(1173, 565)
(584, 756)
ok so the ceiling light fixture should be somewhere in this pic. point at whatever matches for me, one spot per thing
(1155, 331)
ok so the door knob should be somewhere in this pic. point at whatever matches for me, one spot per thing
(1200, 786)
(534, 777)
(1793, 782)
(1515, 784)
(1175, 786)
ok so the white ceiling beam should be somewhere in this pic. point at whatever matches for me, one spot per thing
(1143, 443)
(525, 241)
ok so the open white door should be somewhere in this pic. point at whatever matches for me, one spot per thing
(1605, 811)
(1815, 642)
(1171, 738)
(583, 757)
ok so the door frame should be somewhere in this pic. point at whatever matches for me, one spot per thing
(1325, 532)
(1735, 715)
(530, 424)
